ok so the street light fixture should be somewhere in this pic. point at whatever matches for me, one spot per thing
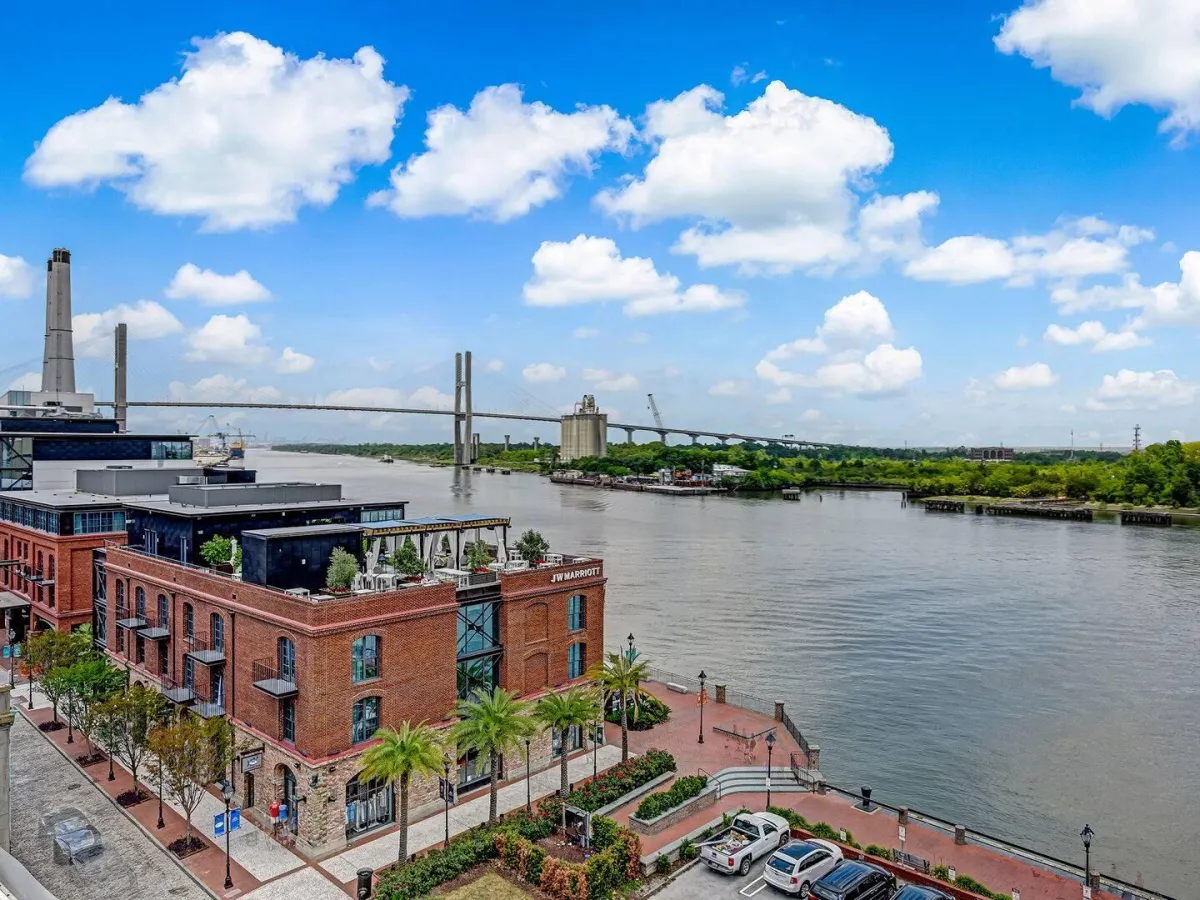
(528, 776)
(446, 791)
(161, 823)
(597, 736)
(12, 659)
(227, 795)
(630, 639)
(700, 700)
(770, 747)
(1087, 834)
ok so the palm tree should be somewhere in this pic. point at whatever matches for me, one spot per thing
(400, 754)
(493, 724)
(620, 676)
(578, 707)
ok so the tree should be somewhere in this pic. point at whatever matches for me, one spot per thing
(532, 547)
(342, 569)
(217, 550)
(49, 651)
(407, 560)
(478, 555)
(619, 676)
(404, 752)
(492, 724)
(187, 754)
(578, 707)
(55, 684)
(90, 682)
(127, 719)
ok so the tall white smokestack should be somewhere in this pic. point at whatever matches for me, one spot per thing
(58, 362)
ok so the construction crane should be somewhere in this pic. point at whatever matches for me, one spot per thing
(654, 411)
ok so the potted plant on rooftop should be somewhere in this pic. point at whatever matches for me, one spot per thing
(407, 561)
(217, 551)
(339, 577)
(532, 547)
(479, 555)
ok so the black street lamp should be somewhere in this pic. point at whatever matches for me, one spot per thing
(446, 792)
(227, 795)
(1087, 834)
(12, 659)
(108, 750)
(161, 823)
(770, 747)
(700, 700)
(528, 776)
(597, 735)
(630, 639)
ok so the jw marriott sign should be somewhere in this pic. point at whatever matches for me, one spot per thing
(577, 573)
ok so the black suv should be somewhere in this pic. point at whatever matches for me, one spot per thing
(855, 881)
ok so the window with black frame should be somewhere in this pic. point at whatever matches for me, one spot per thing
(577, 613)
(478, 648)
(365, 719)
(369, 804)
(576, 654)
(364, 658)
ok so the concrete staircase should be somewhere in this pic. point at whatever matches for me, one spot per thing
(753, 780)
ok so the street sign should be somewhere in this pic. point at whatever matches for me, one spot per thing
(252, 761)
(1016, 894)
(17, 650)
(235, 819)
(7, 651)
(1087, 893)
(219, 824)
(902, 834)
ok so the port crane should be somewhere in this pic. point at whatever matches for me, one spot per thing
(654, 411)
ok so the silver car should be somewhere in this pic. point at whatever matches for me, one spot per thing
(794, 867)
(72, 835)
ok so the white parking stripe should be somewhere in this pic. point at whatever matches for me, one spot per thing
(761, 881)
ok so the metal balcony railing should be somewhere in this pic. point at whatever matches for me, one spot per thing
(175, 691)
(127, 618)
(155, 629)
(270, 680)
(209, 703)
(199, 648)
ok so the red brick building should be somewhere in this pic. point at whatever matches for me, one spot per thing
(306, 678)
(46, 544)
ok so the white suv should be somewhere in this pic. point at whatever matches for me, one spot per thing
(799, 864)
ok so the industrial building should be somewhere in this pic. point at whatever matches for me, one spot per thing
(584, 432)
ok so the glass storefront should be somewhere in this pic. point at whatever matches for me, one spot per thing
(369, 804)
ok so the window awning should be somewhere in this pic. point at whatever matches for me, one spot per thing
(9, 600)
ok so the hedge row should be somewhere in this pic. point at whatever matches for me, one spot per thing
(617, 863)
(683, 789)
(621, 779)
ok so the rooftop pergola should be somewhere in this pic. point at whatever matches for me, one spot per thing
(428, 532)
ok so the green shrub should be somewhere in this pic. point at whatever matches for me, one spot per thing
(850, 841)
(826, 831)
(342, 568)
(217, 550)
(706, 833)
(794, 819)
(941, 872)
(621, 779)
(418, 878)
(967, 883)
(881, 852)
(650, 712)
(604, 830)
(683, 789)
(688, 849)
(662, 865)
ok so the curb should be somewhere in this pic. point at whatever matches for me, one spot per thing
(113, 800)
(674, 875)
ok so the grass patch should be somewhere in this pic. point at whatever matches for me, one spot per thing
(489, 887)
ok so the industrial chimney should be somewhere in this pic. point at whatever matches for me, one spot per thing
(58, 362)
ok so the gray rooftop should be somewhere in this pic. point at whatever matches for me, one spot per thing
(303, 530)
(65, 499)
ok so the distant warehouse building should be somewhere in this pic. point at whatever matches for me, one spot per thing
(991, 454)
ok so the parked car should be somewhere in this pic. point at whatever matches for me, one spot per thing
(751, 836)
(855, 881)
(919, 892)
(74, 839)
(49, 818)
(794, 867)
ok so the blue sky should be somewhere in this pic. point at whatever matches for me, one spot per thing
(849, 223)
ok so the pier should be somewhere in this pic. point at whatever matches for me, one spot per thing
(955, 506)
(1145, 517)
(1040, 511)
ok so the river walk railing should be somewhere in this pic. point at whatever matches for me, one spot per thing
(721, 693)
(962, 834)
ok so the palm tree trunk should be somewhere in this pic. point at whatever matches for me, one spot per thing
(562, 778)
(495, 788)
(403, 817)
(624, 728)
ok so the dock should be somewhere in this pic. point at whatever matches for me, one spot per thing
(955, 506)
(1040, 511)
(1145, 517)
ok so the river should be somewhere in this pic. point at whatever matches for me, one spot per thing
(1020, 676)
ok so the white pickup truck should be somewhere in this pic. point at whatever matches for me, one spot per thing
(750, 837)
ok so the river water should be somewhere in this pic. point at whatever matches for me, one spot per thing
(1022, 677)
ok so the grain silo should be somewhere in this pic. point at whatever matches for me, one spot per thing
(584, 432)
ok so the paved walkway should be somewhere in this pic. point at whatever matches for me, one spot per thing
(384, 850)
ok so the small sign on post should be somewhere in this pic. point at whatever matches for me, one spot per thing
(902, 834)
(952, 875)
(235, 819)
(219, 824)
(1087, 892)
(1016, 894)
(446, 790)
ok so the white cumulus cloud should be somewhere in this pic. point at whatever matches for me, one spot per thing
(604, 380)
(193, 283)
(244, 138)
(293, 362)
(147, 320)
(16, 277)
(431, 397)
(727, 388)
(775, 398)
(494, 365)
(852, 322)
(1023, 378)
(1128, 389)
(543, 372)
(221, 387)
(592, 270)
(1167, 304)
(501, 158)
(1094, 333)
(234, 340)
(1118, 52)
(810, 415)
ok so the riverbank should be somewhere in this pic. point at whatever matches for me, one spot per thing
(1124, 513)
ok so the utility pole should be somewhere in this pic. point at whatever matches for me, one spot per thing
(1137, 438)
(1072, 443)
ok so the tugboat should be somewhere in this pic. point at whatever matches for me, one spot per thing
(386, 458)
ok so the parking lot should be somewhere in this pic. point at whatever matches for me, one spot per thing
(130, 866)
(701, 881)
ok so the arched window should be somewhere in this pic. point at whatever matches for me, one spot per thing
(576, 655)
(120, 599)
(364, 658)
(189, 618)
(365, 719)
(216, 629)
(287, 660)
(139, 601)
(164, 611)
(577, 613)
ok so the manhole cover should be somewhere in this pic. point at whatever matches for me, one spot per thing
(75, 786)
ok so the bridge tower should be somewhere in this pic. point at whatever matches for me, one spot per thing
(464, 443)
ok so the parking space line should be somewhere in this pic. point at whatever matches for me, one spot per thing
(761, 881)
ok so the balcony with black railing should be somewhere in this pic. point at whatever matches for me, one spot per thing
(129, 619)
(269, 679)
(175, 691)
(155, 629)
(202, 650)
(210, 700)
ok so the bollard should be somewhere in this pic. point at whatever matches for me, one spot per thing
(960, 834)
(903, 815)
(866, 806)
(364, 884)
(720, 693)
(814, 756)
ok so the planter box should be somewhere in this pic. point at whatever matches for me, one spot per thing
(634, 794)
(684, 810)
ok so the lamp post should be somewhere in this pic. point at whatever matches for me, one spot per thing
(630, 639)
(446, 769)
(161, 823)
(1087, 835)
(528, 776)
(700, 700)
(12, 659)
(597, 734)
(770, 747)
(227, 795)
